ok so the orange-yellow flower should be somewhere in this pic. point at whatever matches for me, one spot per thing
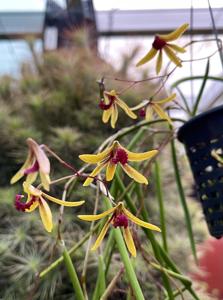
(109, 104)
(161, 43)
(36, 198)
(149, 107)
(36, 163)
(120, 217)
(111, 157)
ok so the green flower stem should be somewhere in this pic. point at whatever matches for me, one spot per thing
(177, 293)
(183, 199)
(100, 284)
(161, 204)
(72, 273)
(57, 262)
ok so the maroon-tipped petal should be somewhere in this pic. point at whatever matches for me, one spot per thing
(33, 169)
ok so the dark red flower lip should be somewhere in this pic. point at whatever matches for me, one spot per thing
(20, 206)
(121, 156)
(158, 43)
(104, 106)
(120, 220)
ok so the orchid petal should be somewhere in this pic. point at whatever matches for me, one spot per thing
(159, 62)
(129, 241)
(114, 115)
(132, 156)
(97, 217)
(172, 56)
(106, 115)
(174, 34)
(95, 172)
(161, 113)
(46, 215)
(101, 235)
(30, 178)
(176, 48)
(138, 221)
(30, 189)
(28, 162)
(147, 57)
(149, 113)
(32, 207)
(110, 171)
(165, 100)
(43, 161)
(61, 202)
(45, 179)
(132, 173)
(95, 158)
(125, 107)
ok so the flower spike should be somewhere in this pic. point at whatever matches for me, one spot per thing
(109, 104)
(161, 42)
(37, 198)
(111, 157)
(120, 217)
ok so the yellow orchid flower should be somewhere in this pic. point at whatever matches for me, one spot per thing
(149, 107)
(109, 104)
(110, 158)
(36, 162)
(120, 218)
(161, 43)
(37, 198)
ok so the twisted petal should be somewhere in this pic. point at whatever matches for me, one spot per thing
(31, 190)
(165, 100)
(43, 161)
(101, 235)
(106, 115)
(46, 215)
(28, 162)
(61, 202)
(132, 173)
(172, 56)
(45, 179)
(147, 57)
(174, 34)
(95, 172)
(161, 113)
(110, 171)
(149, 113)
(95, 158)
(97, 217)
(177, 48)
(159, 62)
(33, 206)
(114, 115)
(129, 241)
(141, 156)
(125, 107)
(139, 222)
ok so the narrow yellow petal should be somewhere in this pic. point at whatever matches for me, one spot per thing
(129, 241)
(159, 62)
(43, 161)
(46, 215)
(165, 100)
(106, 115)
(149, 112)
(172, 56)
(97, 217)
(95, 172)
(45, 180)
(161, 113)
(125, 107)
(110, 171)
(28, 163)
(101, 236)
(30, 189)
(174, 34)
(132, 173)
(147, 57)
(132, 156)
(95, 158)
(139, 222)
(61, 202)
(177, 48)
(33, 206)
(114, 115)
(30, 178)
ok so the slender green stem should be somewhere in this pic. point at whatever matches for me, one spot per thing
(183, 199)
(72, 273)
(161, 205)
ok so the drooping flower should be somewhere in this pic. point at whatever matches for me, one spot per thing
(149, 107)
(109, 104)
(36, 163)
(120, 217)
(161, 43)
(111, 157)
(37, 198)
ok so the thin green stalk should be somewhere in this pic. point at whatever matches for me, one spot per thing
(189, 78)
(100, 284)
(177, 293)
(161, 205)
(183, 199)
(72, 273)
